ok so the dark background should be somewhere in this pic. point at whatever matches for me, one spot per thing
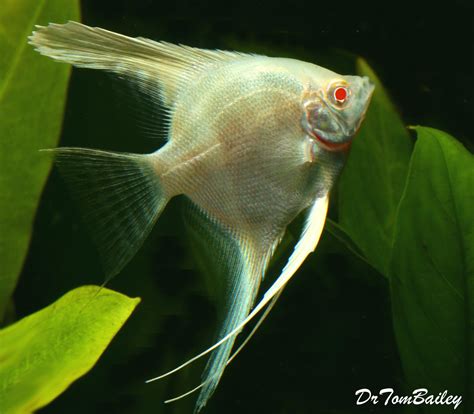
(331, 333)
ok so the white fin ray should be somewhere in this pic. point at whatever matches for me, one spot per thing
(255, 328)
(160, 68)
(307, 244)
(121, 197)
(180, 397)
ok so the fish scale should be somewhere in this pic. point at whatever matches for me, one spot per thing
(261, 135)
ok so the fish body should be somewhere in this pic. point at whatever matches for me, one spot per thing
(252, 142)
(247, 164)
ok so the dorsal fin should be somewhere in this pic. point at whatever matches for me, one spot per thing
(145, 61)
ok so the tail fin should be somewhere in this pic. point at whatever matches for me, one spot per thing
(121, 196)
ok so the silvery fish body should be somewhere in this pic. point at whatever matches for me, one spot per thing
(252, 141)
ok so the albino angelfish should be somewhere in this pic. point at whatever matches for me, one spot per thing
(252, 141)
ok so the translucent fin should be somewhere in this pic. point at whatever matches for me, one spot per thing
(309, 239)
(255, 328)
(235, 353)
(239, 260)
(149, 63)
(121, 196)
(245, 282)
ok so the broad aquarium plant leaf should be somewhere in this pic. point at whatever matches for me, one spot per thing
(432, 269)
(410, 214)
(42, 354)
(32, 97)
(372, 181)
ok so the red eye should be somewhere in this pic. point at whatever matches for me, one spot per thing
(340, 94)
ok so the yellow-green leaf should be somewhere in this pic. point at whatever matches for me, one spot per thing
(42, 354)
(32, 97)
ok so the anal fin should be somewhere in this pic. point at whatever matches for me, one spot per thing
(240, 259)
(307, 244)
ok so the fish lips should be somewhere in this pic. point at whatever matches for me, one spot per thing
(341, 143)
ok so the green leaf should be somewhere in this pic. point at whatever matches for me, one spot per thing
(42, 354)
(432, 268)
(32, 97)
(339, 234)
(372, 181)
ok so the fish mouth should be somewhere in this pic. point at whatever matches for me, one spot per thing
(333, 146)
